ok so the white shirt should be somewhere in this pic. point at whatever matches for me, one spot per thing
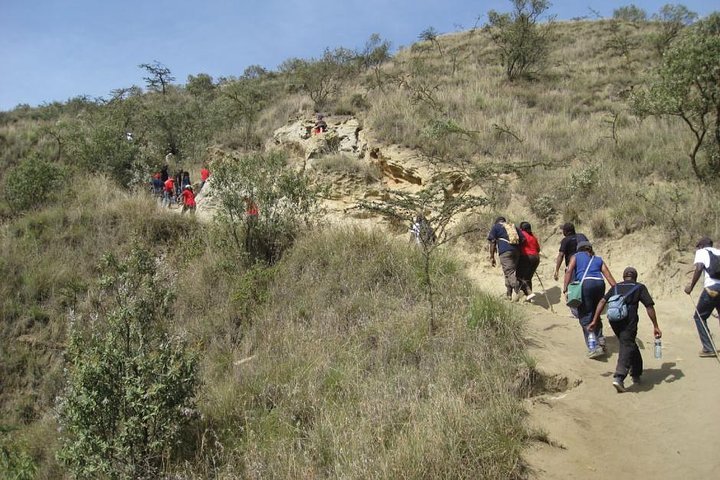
(702, 257)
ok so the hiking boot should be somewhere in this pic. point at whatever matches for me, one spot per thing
(619, 385)
(706, 353)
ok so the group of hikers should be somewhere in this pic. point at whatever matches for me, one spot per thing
(177, 189)
(584, 286)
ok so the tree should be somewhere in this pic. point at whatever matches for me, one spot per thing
(249, 97)
(441, 208)
(672, 19)
(524, 46)
(200, 85)
(284, 197)
(630, 13)
(431, 35)
(687, 86)
(130, 383)
(159, 76)
(322, 79)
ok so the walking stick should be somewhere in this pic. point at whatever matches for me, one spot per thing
(545, 293)
(707, 330)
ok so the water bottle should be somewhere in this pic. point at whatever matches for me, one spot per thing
(658, 348)
(592, 341)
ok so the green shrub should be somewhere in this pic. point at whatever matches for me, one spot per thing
(33, 183)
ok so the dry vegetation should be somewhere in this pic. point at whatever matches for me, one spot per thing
(319, 366)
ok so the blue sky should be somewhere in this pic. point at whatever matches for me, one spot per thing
(58, 49)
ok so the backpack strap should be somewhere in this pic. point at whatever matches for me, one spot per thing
(586, 270)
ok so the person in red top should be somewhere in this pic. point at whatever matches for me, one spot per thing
(188, 198)
(529, 260)
(204, 175)
(168, 191)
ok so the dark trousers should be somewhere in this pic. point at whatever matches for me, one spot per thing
(592, 291)
(709, 300)
(629, 359)
(525, 271)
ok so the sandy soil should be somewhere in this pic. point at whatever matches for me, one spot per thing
(668, 427)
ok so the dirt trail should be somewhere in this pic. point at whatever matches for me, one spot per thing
(668, 427)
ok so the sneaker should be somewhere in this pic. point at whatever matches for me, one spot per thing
(706, 353)
(530, 297)
(598, 352)
(619, 385)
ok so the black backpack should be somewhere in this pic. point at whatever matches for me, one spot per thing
(713, 270)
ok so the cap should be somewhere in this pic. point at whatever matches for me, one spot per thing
(704, 242)
(630, 272)
(188, 186)
(583, 244)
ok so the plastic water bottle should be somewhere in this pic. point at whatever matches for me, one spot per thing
(658, 348)
(592, 341)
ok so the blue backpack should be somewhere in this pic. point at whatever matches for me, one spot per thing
(617, 309)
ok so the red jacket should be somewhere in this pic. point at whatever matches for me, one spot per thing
(188, 198)
(530, 246)
(170, 185)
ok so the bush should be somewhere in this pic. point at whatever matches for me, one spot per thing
(130, 383)
(32, 183)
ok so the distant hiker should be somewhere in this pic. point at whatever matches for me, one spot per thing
(320, 125)
(164, 173)
(589, 269)
(251, 210)
(568, 246)
(185, 180)
(506, 239)
(421, 231)
(629, 358)
(204, 175)
(129, 136)
(168, 192)
(707, 259)
(178, 182)
(157, 184)
(188, 199)
(529, 260)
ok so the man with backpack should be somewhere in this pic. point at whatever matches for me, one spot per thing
(506, 239)
(568, 246)
(707, 259)
(623, 301)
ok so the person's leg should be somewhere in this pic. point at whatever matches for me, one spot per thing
(629, 360)
(706, 304)
(592, 292)
(523, 267)
(533, 263)
(508, 262)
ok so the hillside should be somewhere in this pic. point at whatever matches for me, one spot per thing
(315, 346)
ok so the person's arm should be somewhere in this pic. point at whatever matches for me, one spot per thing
(699, 267)
(608, 275)
(596, 316)
(653, 319)
(558, 263)
(491, 251)
(568, 274)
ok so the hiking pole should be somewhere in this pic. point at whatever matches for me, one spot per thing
(707, 330)
(545, 293)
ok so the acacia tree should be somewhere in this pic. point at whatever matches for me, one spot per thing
(687, 86)
(671, 19)
(440, 207)
(524, 46)
(322, 79)
(159, 76)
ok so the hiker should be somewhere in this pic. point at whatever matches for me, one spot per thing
(320, 126)
(529, 260)
(164, 173)
(188, 199)
(588, 269)
(185, 180)
(204, 175)
(168, 192)
(177, 182)
(506, 239)
(421, 231)
(706, 260)
(629, 358)
(568, 246)
(157, 184)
